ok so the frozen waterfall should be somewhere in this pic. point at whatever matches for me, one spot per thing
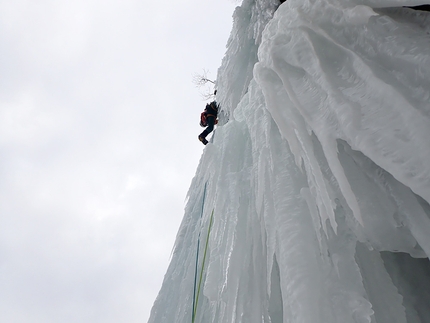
(318, 174)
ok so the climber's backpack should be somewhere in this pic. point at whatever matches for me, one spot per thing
(203, 121)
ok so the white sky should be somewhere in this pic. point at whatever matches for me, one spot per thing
(98, 146)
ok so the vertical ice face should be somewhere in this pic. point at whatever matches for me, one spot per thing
(318, 174)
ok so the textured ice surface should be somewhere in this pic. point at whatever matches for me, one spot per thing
(318, 174)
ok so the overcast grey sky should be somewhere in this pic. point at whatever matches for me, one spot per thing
(98, 146)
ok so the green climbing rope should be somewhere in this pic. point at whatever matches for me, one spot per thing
(196, 297)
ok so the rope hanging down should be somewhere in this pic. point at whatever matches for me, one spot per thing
(203, 266)
(196, 292)
(197, 255)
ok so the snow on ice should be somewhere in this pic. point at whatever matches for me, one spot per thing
(318, 175)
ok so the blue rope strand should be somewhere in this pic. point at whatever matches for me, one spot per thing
(197, 258)
(203, 263)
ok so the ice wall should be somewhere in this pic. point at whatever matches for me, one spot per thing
(319, 181)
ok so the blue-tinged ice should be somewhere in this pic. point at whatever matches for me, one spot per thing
(318, 174)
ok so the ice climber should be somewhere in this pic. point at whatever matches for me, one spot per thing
(208, 119)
